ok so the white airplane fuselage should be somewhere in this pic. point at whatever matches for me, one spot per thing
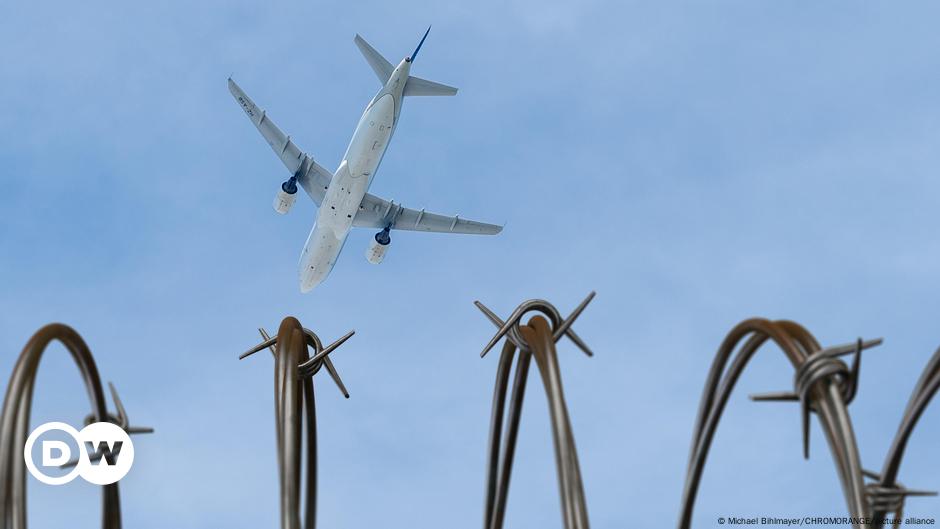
(351, 180)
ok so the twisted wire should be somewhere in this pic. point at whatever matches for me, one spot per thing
(534, 340)
(824, 367)
(295, 414)
(818, 386)
(883, 502)
(889, 499)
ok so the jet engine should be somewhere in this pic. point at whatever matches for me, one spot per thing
(286, 196)
(376, 251)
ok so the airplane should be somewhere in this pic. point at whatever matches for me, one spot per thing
(342, 196)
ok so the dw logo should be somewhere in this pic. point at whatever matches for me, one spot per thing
(105, 453)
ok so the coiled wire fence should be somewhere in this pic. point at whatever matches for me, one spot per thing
(295, 410)
(824, 386)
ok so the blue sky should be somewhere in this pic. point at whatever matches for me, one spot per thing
(695, 163)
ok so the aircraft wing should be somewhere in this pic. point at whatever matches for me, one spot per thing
(313, 177)
(375, 212)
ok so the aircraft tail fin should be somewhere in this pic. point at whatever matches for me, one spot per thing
(380, 65)
(383, 69)
(417, 86)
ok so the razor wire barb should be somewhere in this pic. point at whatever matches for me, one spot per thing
(15, 420)
(294, 405)
(537, 338)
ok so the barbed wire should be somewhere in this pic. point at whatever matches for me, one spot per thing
(823, 385)
(535, 339)
(886, 494)
(15, 420)
(295, 407)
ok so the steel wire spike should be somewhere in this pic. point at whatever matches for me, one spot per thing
(889, 498)
(814, 370)
(320, 355)
(561, 327)
(121, 420)
(265, 336)
(320, 358)
(266, 343)
(335, 376)
(899, 489)
(312, 365)
(499, 324)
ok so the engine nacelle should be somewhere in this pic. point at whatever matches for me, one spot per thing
(286, 196)
(376, 251)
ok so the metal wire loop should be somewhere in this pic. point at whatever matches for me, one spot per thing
(823, 366)
(312, 365)
(535, 340)
(822, 382)
(15, 420)
(295, 415)
(511, 327)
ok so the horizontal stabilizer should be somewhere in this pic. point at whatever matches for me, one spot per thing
(380, 65)
(417, 86)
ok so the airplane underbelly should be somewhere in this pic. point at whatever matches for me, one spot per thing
(342, 202)
(371, 138)
(345, 193)
(318, 256)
